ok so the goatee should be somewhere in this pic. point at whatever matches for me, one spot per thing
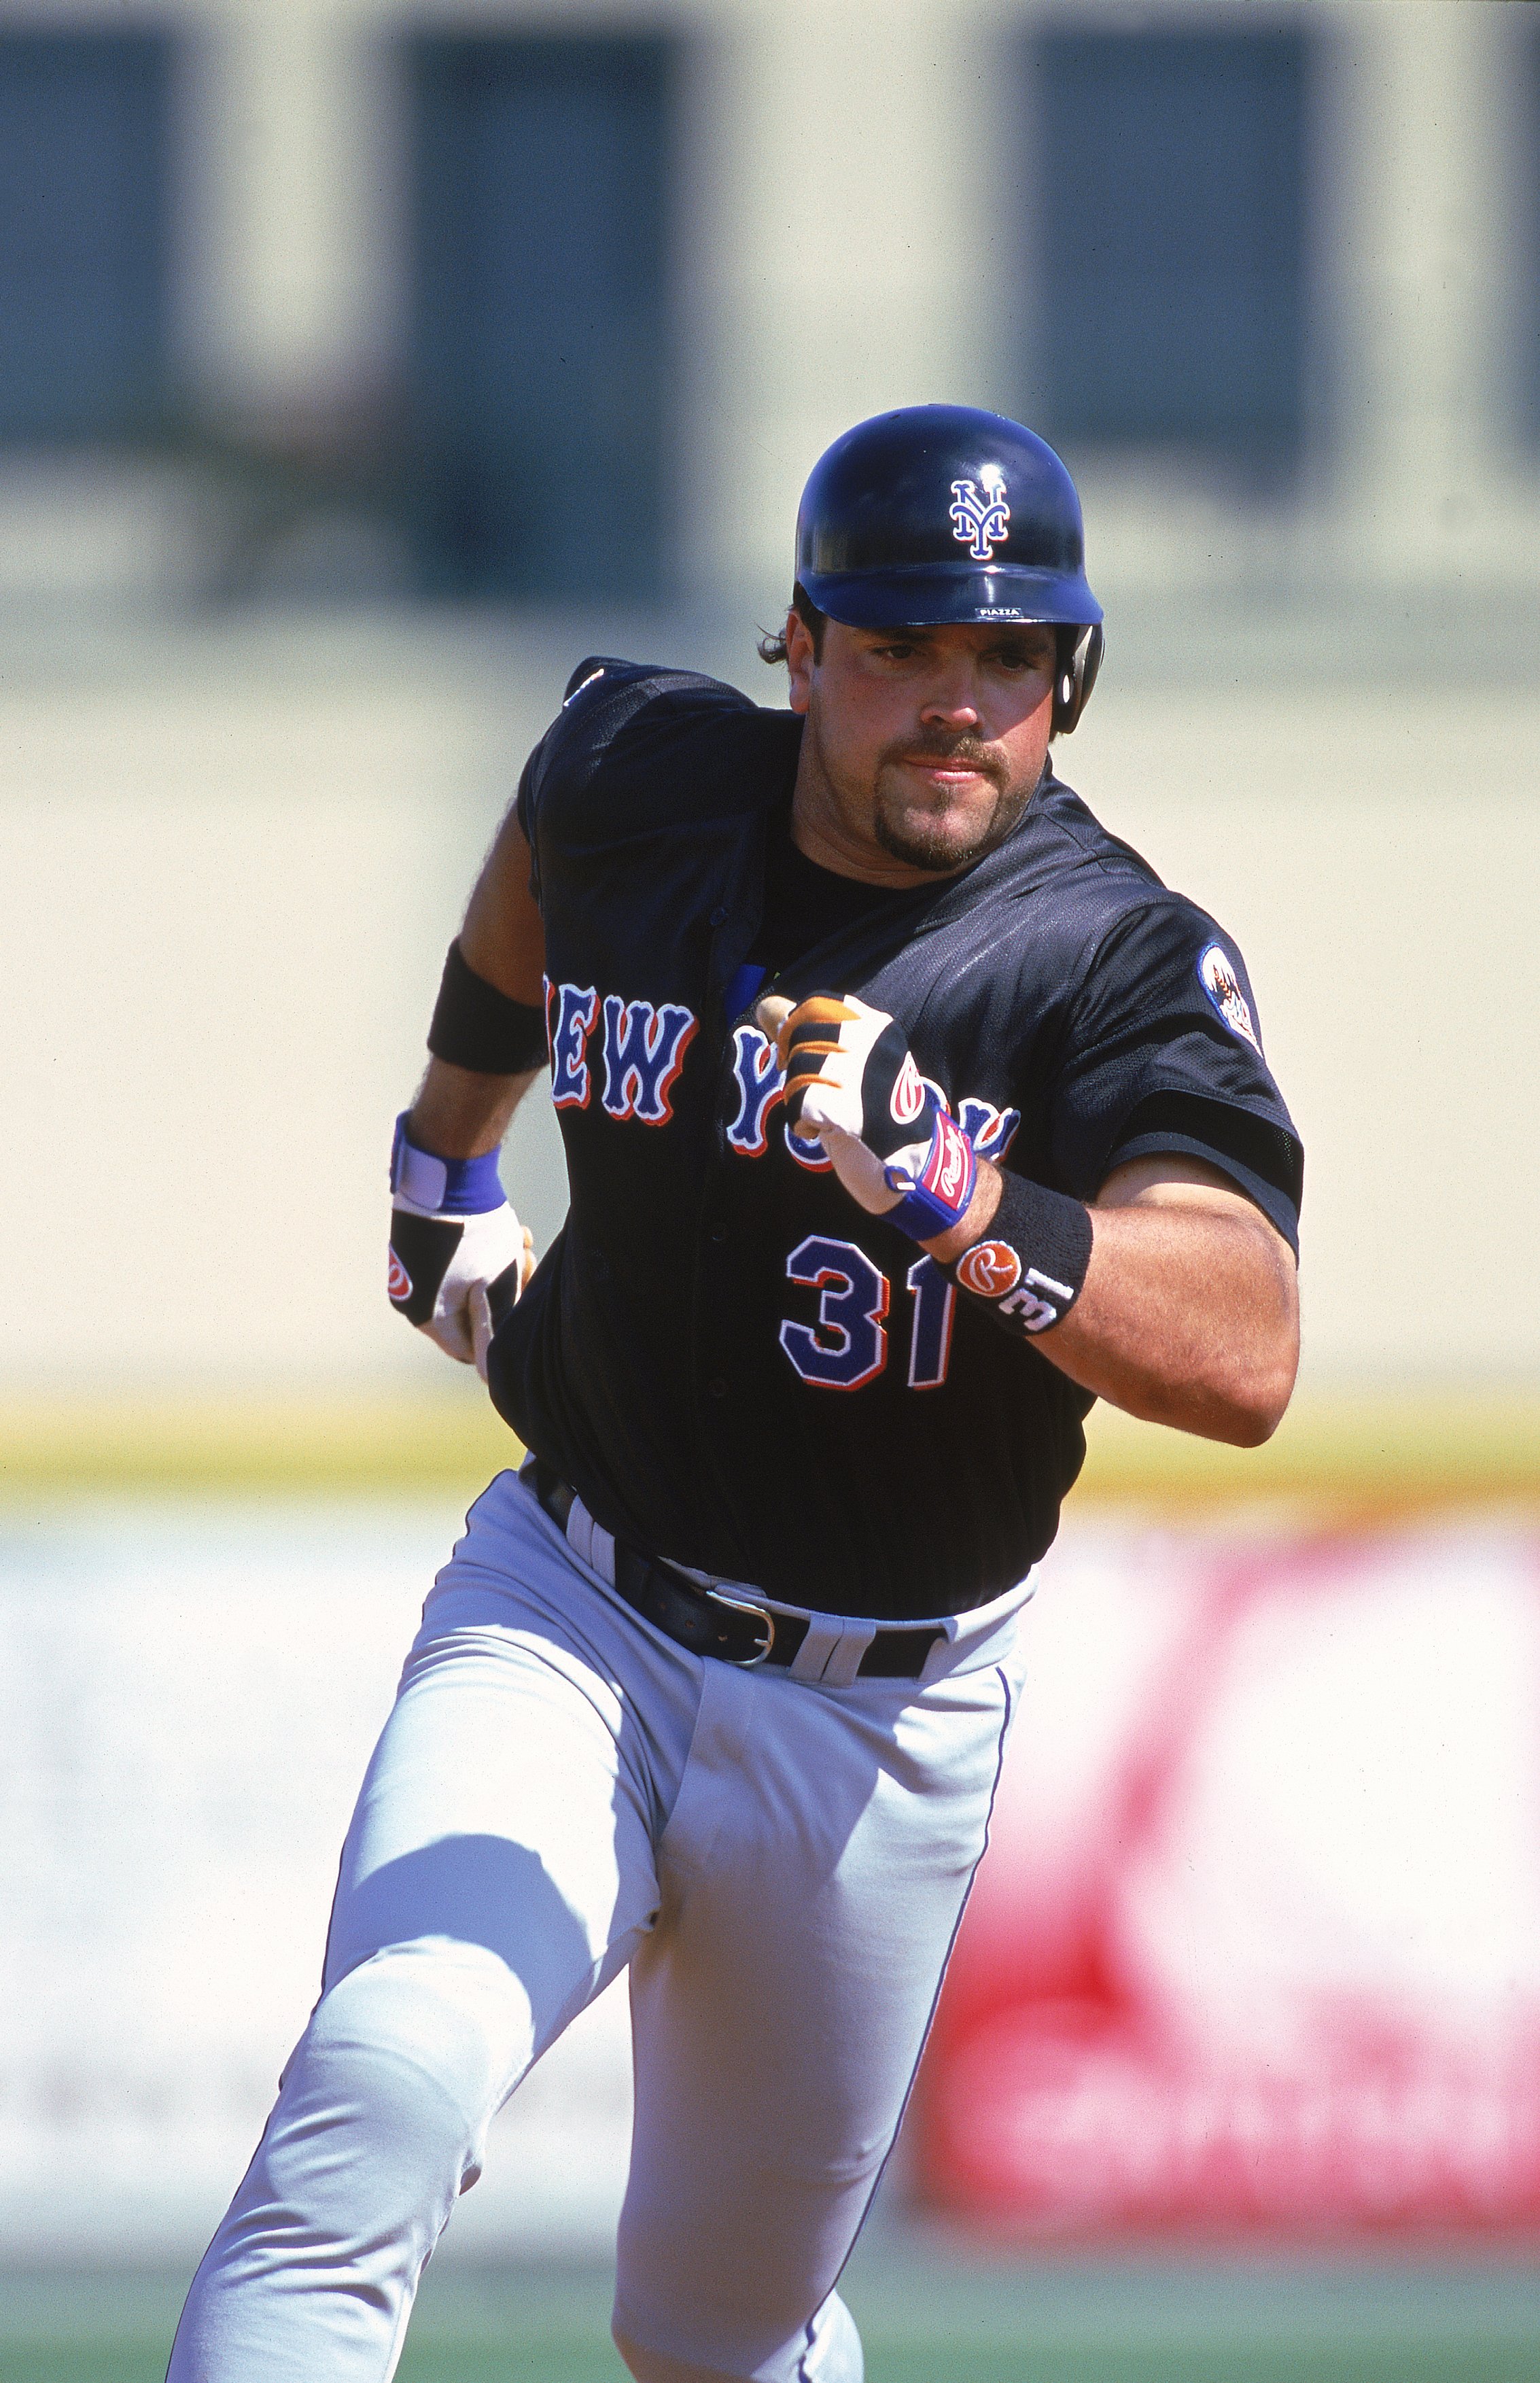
(931, 848)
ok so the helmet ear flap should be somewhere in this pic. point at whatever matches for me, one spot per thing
(1079, 658)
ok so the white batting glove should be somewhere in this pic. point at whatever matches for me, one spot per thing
(852, 1085)
(459, 1255)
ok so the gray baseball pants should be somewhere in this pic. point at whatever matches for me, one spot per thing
(781, 1856)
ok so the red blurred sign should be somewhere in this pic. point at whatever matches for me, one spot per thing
(1257, 1941)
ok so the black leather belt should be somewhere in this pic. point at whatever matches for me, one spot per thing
(710, 1621)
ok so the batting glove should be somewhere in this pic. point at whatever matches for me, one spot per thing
(851, 1084)
(459, 1255)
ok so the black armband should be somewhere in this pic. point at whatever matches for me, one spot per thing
(1032, 1270)
(476, 1026)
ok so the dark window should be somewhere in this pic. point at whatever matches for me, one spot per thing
(1170, 171)
(83, 138)
(540, 367)
(1527, 245)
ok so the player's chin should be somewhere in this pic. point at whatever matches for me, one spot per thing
(944, 834)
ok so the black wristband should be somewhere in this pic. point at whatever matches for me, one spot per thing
(1030, 1270)
(476, 1026)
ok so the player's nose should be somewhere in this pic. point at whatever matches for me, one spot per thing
(951, 702)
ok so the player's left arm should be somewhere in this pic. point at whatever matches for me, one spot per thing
(1189, 1314)
(1171, 1295)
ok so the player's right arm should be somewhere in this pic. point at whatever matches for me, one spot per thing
(459, 1256)
(464, 1112)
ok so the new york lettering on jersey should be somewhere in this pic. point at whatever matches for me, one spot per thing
(1065, 1008)
(642, 1051)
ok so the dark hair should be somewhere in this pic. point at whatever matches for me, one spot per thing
(773, 649)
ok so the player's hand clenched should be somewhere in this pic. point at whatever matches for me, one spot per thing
(852, 1085)
(459, 1255)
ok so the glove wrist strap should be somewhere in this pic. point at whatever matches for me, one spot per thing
(936, 1198)
(1031, 1269)
(443, 1187)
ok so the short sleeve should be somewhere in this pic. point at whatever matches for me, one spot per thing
(565, 732)
(1163, 1052)
(604, 698)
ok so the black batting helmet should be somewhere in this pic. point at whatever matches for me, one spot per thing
(943, 513)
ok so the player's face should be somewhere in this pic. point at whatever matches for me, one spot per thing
(923, 746)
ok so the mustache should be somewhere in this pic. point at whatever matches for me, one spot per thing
(954, 746)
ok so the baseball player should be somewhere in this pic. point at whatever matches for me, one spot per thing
(906, 1112)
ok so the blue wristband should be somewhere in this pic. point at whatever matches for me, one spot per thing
(446, 1187)
(938, 1197)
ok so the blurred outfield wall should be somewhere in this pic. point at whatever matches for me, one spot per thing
(1255, 1950)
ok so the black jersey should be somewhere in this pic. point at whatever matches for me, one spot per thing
(735, 1365)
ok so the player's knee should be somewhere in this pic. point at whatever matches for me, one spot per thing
(411, 2055)
(380, 2123)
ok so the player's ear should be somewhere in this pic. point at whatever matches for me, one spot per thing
(800, 661)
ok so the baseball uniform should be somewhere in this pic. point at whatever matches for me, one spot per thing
(718, 1687)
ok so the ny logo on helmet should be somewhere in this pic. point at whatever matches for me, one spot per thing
(981, 522)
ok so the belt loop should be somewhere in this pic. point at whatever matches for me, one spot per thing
(822, 1637)
(832, 1650)
(845, 1661)
(939, 1659)
(591, 1541)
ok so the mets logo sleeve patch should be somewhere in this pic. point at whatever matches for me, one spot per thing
(1220, 979)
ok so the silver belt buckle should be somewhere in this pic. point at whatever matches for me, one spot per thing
(741, 1605)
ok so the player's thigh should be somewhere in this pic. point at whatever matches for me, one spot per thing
(813, 1878)
(514, 1797)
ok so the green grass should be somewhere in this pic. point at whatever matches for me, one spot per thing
(1005, 2362)
(557, 2362)
(554, 2361)
(928, 2317)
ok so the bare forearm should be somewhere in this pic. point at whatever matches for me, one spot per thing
(1189, 1311)
(460, 1114)
(1197, 1329)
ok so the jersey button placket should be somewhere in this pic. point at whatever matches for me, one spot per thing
(718, 1324)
